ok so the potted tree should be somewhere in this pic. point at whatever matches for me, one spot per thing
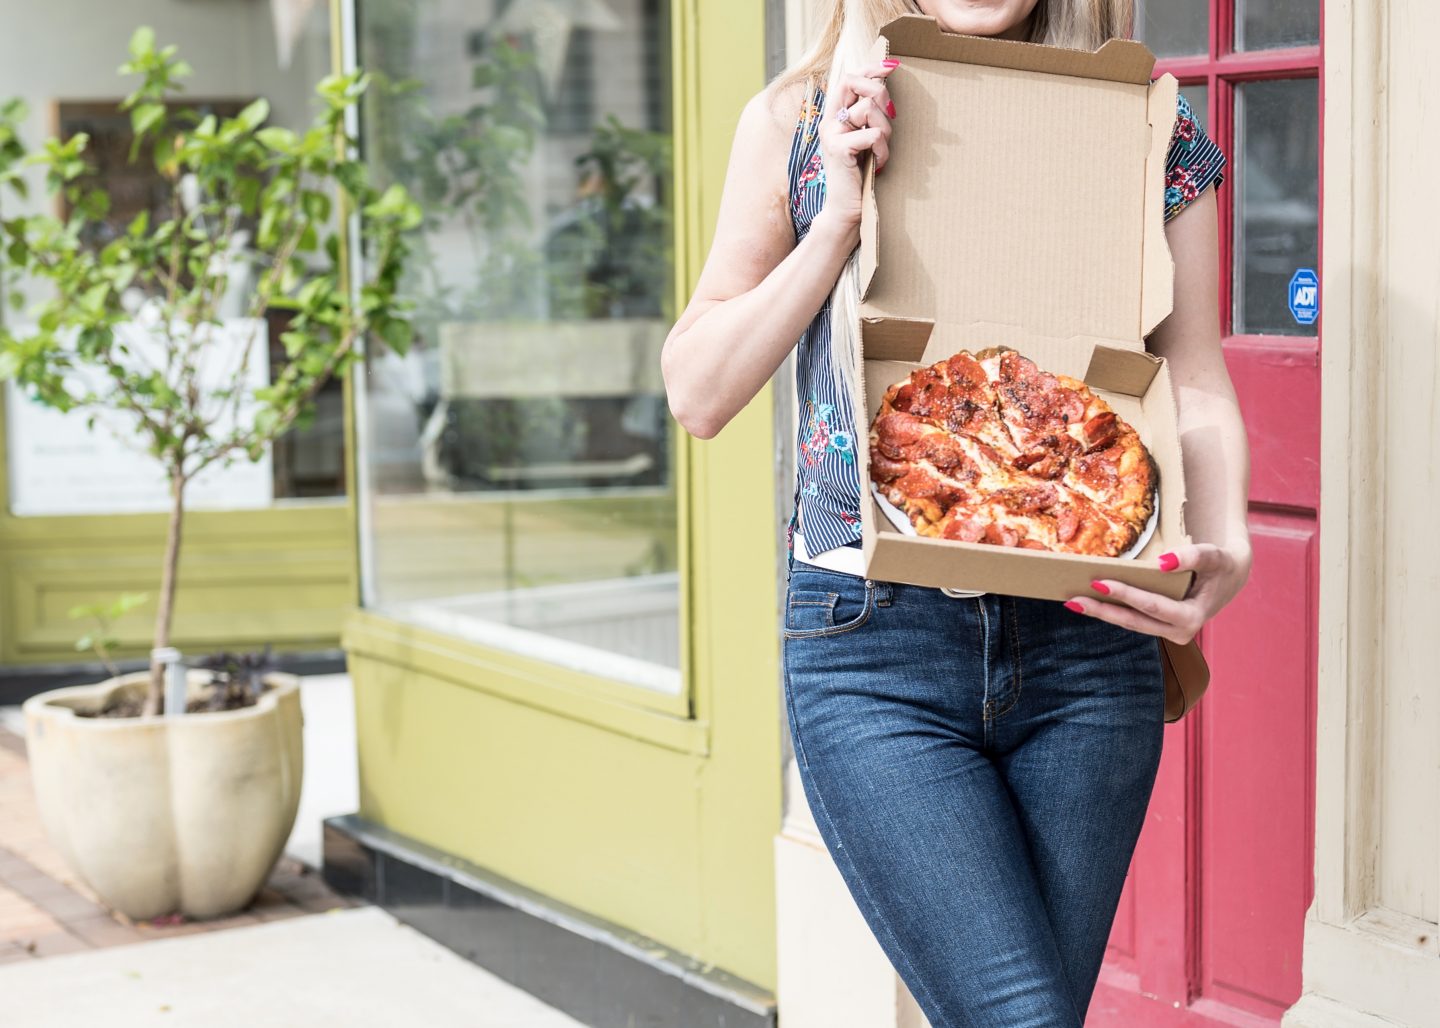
(186, 809)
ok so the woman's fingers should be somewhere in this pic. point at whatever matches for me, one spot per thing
(1183, 618)
(1194, 557)
(1128, 617)
(852, 144)
(868, 82)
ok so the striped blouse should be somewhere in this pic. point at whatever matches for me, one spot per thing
(827, 486)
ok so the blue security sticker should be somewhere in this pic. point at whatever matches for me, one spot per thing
(1305, 296)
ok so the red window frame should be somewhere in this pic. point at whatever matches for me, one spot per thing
(1221, 70)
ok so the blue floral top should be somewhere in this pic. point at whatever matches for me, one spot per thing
(827, 487)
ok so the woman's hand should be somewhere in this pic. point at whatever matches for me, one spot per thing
(867, 128)
(1220, 573)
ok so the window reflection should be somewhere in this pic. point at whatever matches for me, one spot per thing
(519, 456)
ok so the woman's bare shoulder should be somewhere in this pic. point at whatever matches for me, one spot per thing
(768, 121)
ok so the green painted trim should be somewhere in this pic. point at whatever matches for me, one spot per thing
(626, 710)
(733, 617)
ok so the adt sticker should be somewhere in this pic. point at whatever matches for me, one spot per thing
(1305, 296)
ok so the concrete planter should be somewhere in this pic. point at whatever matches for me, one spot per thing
(159, 814)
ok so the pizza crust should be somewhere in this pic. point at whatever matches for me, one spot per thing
(989, 448)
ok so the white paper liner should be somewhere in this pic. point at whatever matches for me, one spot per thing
(897, 518)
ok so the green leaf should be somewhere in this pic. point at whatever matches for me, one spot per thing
(254, 114)
(145, 117)
(142, 42)
(281, 140)
(138, 225)
(397, 334)
(247, 193)
(316, 205)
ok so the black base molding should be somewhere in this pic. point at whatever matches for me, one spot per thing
(19, 683)
(599, 973)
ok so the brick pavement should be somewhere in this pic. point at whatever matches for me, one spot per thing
(46, 910)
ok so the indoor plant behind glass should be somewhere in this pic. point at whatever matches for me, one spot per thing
(159, 812)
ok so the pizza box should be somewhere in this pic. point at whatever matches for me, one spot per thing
(1022, 206)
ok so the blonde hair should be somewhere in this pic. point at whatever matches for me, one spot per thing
(844, 43)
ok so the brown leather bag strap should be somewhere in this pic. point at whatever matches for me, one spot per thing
(1187, 676)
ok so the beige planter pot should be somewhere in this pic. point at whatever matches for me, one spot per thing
(159, 814)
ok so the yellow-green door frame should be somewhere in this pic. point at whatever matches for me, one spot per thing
(657, 813)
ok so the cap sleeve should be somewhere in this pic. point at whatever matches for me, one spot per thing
(1194, 162)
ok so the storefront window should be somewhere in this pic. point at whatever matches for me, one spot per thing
(520, 485)
(57, 464)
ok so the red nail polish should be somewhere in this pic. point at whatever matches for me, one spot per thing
(1072, 605)
(890, 108)
(1101, 588)
(1169, 562)
(891, 62)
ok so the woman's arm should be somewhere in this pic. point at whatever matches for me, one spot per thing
(759, 291)
(1212, 439)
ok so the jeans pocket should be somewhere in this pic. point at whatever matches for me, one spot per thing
(813, 613)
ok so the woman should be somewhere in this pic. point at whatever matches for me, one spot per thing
(978, 767)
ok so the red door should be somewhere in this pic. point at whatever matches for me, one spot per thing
(1209, 930)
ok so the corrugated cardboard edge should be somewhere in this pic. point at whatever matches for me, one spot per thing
(1119, 60)
(869, 258)
(869, 231)
(1157, 274)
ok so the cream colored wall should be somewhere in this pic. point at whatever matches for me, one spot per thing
(1372, 944)
(1408, 872)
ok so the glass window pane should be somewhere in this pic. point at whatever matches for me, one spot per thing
(1276, 24)
(1174, 28)
(1198, 96)
(520, 456)
(1278, 200)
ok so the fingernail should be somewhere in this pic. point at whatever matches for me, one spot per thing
(890, 108)
(1169, 562)
(1101, 588)
(1072, 605)
(891, 62)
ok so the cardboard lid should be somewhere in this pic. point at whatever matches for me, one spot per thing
(1037, 174)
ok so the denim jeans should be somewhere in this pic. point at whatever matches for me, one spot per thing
(979, 770)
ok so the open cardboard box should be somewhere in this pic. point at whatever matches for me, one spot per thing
(1022, 206)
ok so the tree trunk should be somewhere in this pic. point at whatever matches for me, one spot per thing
(155, 695)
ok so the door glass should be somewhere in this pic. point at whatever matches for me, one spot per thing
(1276, 24)
(1277, 214)
(1174, 28)
(521, 487)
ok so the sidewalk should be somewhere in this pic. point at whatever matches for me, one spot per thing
(299, 956)
(355, 968)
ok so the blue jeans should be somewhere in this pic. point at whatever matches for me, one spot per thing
(979, 770)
